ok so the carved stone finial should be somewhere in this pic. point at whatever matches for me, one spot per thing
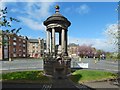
(57, 8)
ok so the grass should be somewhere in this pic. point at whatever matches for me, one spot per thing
(81, 76)
(30, 76)
(78, 76)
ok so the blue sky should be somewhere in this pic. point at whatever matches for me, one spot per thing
(89, 20)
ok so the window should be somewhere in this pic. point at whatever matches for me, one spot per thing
(24, 45)
(33, 46)
(14, 55)
(24, 41)
(19, 44)
(24, 55)
(14, 43)
(5, 38)
(23, 50)
(19, 39)
(19, 50)
(36, 44)
(14, 38)
(14, 50)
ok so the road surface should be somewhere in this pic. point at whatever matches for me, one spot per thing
(37, 64)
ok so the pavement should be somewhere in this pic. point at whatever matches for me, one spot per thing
(62, 84)
(102, 84)
(54, 84)
(37, 64)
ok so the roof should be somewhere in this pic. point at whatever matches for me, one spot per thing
(33, 40)
(57, 18)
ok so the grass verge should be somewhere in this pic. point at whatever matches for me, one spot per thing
(81, 76)
(78, 76)
(26, 76)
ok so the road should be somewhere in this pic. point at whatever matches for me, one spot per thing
(37, 64)
(107, 65)
(21, 64)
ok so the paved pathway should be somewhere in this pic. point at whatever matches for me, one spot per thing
(66, 83)
(55, 84)
(104, 85)
(63, 84)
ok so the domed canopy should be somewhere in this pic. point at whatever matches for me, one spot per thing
(57, 18)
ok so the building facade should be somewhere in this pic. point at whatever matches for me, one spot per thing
(12, 46)
(36, 47)
(17, 46)
(73, 50)
(4, 47)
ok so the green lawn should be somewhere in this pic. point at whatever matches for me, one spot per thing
(80, 76)
(29, 76)
(77, 76)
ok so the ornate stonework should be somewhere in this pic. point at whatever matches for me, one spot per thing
(56, 61)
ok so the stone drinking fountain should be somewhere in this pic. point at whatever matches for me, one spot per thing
(57, 63)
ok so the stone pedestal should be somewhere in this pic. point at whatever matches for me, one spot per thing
(57, 68)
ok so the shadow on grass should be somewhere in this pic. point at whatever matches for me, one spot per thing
(75, 78)
(74, 69)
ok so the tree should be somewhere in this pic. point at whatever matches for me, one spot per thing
(113, 34)
(5, 25)
(7, 31)
(85, 50)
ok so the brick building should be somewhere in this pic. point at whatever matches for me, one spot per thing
(17, 46)
(4, 47)
(12, 46)
(36, 47)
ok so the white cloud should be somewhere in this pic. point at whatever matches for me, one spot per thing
(97, 43)
(83, 9)
(34, 14)
(34, 25)
(37, 9)
(2, 5)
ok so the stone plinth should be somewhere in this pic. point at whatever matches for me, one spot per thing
(57, 68)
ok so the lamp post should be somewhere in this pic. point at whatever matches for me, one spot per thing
(77, 48)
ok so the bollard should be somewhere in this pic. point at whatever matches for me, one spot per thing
(10, 59)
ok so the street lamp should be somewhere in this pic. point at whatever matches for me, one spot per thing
(77, 48)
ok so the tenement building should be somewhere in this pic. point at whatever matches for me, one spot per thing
(4, 48)
(36, 47)
(73, 50)
(12, 46)
(17, 46)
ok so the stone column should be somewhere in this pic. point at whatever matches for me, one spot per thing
(63, 39)
(48, 41)
(53, 40)
(59, 38)
(66, 42)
